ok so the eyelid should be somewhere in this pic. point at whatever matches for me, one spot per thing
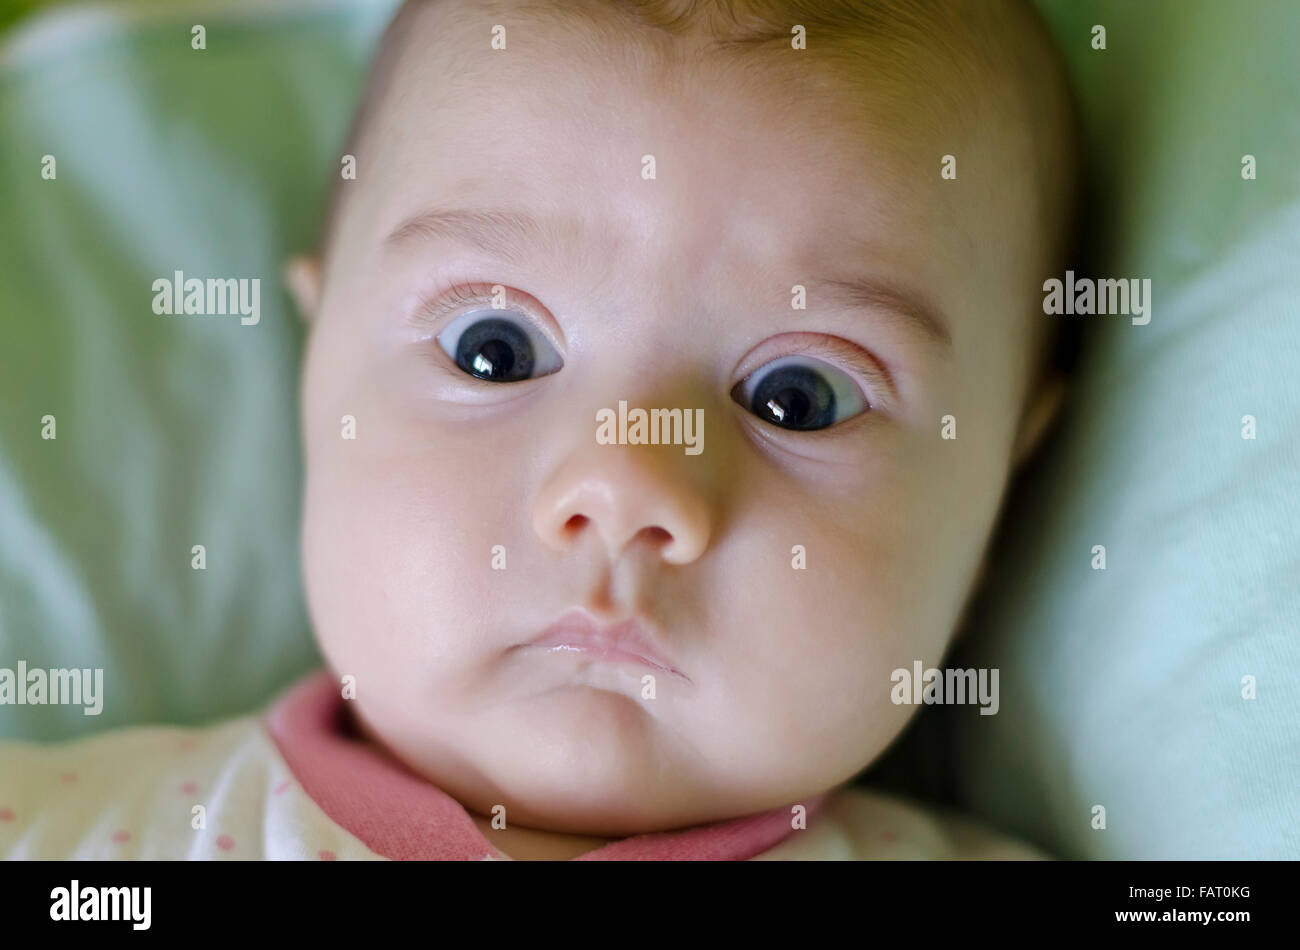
(430, 317)
(837, 351)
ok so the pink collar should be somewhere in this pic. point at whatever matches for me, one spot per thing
(401, 816)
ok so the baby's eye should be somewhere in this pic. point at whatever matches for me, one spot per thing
(488, 345)
(795, 392)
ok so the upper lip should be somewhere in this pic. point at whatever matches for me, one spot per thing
(576, 628)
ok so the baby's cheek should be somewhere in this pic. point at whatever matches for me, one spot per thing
(386, 560)
(872, 599)
(800, 639)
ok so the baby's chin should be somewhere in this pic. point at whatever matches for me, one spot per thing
(572, 758)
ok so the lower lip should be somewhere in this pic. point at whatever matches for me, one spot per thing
(606, 653)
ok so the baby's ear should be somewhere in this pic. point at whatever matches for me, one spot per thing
(1042, 409)
(302, 277)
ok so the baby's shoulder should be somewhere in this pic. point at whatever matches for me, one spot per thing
(867, 824)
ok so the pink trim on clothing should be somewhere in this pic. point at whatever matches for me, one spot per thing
(401, 816)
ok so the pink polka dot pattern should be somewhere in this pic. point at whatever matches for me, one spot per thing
(283, 787)
(225, 842)
(6, 814)
(189, 788)
(327, 855)
(67, 778)
(121, 836)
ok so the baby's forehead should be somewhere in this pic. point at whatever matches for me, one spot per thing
(853, 126)
(901, 73)
(676, 151)
(903, 58)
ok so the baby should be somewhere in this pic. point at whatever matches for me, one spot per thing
(807, 240)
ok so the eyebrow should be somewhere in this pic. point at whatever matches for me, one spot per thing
(910, 312)
(501, 233)
(511, 235)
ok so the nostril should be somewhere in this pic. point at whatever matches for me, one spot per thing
(658, 535)
(574, 524)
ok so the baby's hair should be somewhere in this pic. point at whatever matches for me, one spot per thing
(993, 49)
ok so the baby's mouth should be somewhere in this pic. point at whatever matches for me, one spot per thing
(626, 642)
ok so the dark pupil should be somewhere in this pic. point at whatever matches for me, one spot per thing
(794, 397)
(495, 349)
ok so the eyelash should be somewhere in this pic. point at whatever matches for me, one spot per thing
(833, 350)
(441, 304)
(841, 353)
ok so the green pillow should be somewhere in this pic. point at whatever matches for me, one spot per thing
(1130, 688)
(170, 431)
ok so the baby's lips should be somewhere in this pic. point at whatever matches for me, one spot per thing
(629, 639)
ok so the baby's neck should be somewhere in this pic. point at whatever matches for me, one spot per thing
(530, 844)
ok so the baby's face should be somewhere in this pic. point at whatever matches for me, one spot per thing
(825, 535)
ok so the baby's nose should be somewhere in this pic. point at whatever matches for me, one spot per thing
(626, 494)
